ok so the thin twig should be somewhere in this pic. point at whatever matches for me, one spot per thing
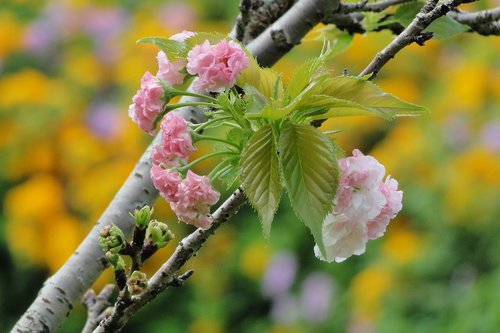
(96, 304)
(365, 6)
(413, 33)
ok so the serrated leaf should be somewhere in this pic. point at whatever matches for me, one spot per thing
(260, 176)
(445, 27)
(309, 168)
(304, 98)
(173, 49)
(364, 97)
(255, 100)
(304, 75)
(200, 37)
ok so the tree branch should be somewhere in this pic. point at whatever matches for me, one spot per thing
(484, 22)
(365, 6)
(96, 305)
(413, 33)
(165, 276)
(56, 298)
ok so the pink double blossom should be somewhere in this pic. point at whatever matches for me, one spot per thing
(175, 137)
(171, 72)
(165, 181)
(217, 66)
(147, 103)
(363, 207)
(193, 200)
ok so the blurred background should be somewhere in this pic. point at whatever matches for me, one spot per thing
(68, 70)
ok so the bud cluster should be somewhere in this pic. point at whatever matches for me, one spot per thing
(149, 236)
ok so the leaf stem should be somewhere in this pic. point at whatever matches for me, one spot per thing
(199, 137)
(202, 158)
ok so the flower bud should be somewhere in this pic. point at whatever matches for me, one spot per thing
(112, 239)
(158, 234)
(142, 216)
(116, 261)
(137, 283)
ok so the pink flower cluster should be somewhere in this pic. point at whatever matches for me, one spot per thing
(363, 206)
(189, 198)
(176, 142)
(147, 103)
(217, 66)
(150, 98)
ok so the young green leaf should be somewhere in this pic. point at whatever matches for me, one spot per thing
(200, 37)
(407, 12)
(260, 176)
(364, 97)
(173, 49)
(309, 167)
(446, 27)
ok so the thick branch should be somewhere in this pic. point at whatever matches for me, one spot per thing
(485, 22)
(412, 33)
(166, 274)
(56, 298)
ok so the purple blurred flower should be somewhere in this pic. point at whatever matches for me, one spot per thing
(456, 131)
(101, 22)
(315, 300)
(104, 120)
(177, 16)
(490, 136)
(284, 309)
(39, 37)
(62, 18)
(103, 25)
(279, 275)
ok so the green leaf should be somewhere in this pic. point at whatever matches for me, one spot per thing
(255, 100)
(260, 176)
(304, 75)
(309, 167)
(200, 37)
(406, 13)
(446, 27)
(304, 98)
(359, 97)
(173, 49)
(371, 21)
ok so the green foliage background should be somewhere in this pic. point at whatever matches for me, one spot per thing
(67, 72)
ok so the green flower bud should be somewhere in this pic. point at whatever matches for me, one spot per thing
(137, 283)
(158, 234)
(112, 239)
(116, 261)
(142, 216)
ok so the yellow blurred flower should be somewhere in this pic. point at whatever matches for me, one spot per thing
(367, 290)
(206, 325)
(254, 260)
(401, 244)
(59, 239)
(83, 68)
(10, 34)
(28, 86)
(37, 199)
(30, 209)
